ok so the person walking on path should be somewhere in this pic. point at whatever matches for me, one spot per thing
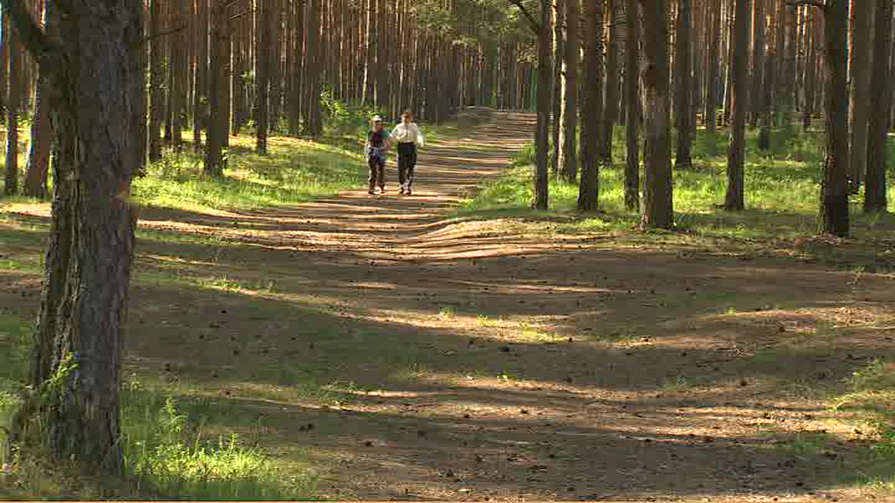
(408, 136)
(378, 142)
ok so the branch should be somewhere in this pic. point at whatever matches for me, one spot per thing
(816, 3)
(535, 27)
(31, 36)
(241, 14)
(164, 34)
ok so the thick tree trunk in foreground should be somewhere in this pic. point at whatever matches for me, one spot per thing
(734, 199)
(84, 303)
(658, 210)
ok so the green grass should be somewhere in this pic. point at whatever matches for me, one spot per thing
(294, 171)
(781, 194)
(171, 450)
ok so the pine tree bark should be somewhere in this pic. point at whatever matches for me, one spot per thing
(263, 19)
(200, 91)
(767, 102)
(545, 69)
(558, 82)
(714, 56)
(810, 69)
(219, 92)
(77, 417)
(38, 165)
(734, 199)
(13, 102)
(862, 60)
(569, 167)
(758, 55)
(834, 191)
(315, 118)
(611, 101)
(633, 105)
(157, 79)
(683, 49)
(658, 210)
(875, 197)
(589, 189)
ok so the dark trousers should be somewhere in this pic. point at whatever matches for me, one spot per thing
(406, 163)
(377, 171)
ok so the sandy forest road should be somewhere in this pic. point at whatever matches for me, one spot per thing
(465, 361)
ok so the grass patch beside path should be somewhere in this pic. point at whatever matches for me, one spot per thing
(781, 196)
(294, 171)
(168, 452)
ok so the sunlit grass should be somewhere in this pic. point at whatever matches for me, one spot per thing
(169, 450)
(781, 188)
(294, 171)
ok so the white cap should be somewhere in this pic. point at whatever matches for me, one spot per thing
(377, 118)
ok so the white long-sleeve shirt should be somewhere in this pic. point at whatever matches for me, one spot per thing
(408, 133)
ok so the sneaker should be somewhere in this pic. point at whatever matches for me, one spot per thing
(408, 192)
(371, 192)
(402, 191)
(382, 189)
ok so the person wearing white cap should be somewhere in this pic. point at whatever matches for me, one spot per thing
(378, 142)
(408, 136)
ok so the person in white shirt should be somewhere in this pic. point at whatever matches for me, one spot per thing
(407, 134)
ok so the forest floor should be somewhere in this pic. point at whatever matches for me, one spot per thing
(400, 352)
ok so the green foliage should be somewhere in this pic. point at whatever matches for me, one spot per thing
(782, 189)
(178, 458)
(870, 402)
(167, 453)
(294, 171)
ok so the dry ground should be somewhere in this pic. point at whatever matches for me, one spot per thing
(410, 356)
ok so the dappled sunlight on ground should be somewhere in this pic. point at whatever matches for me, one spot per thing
(414, 355)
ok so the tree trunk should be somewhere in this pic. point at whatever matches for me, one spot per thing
(78, 415)
(683, 49)
(875, 198)
(610, 103)
(545, 69)
(860, 104)
(810, 69)
(734, 199)
(558, 83)
(219, 92)
(758, 55)
(157, 79)
(315, 119)
(262, 62)
(767, 102)
(13, 101)
(658, 210)
(569, 168)
(200, 91)
(634, 106)
(711, 97)
(834, 190)
(589, 190)
(274, 70)
(38, 165)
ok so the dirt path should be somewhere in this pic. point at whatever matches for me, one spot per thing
(410, 356)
